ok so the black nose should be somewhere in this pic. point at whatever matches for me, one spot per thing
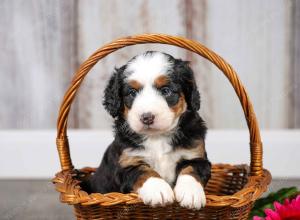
(147, 118)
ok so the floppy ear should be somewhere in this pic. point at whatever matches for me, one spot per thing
(188, 84)
(112, 94)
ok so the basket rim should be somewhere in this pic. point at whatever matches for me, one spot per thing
(71, 192)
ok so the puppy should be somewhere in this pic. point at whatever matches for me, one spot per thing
(158, 151)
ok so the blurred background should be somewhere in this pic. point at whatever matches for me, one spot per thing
(44, 42)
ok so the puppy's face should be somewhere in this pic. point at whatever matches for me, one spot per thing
(154, 90)
(153, 101)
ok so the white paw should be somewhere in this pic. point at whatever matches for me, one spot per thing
(155, 191)
(189, 192)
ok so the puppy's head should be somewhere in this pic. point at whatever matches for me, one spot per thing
(151, 92)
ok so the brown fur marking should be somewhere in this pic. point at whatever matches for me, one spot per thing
(189, 170)
(199, 146)
(161, 81)
(198, 149)
(148, 172)
(180, 107)
(125, 111)
(135, 84)
(126, 161)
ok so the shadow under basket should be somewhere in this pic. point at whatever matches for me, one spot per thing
(231, 191)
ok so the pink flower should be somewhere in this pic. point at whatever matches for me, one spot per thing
(289, 210)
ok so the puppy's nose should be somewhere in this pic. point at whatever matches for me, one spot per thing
(147, 118)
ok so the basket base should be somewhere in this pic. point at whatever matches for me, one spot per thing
(230, 194)
(140, 211)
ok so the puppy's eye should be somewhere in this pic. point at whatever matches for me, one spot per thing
(166, 91)
(132, 93)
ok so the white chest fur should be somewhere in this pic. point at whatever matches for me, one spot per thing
(159, 154)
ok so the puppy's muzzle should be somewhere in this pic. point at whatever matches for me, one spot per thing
(147, 118)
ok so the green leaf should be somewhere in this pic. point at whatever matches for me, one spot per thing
(267, 202)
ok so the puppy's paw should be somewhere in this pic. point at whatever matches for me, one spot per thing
(156, 191)
(189, 192)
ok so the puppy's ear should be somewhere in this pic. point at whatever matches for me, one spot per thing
(113, 93)
(188, 84)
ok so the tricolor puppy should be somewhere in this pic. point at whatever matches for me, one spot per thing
(158, 151)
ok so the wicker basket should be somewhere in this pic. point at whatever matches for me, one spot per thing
(230, 192)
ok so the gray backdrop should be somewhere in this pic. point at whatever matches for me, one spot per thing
(43, 42)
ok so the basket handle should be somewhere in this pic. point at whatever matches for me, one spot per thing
(255, 139)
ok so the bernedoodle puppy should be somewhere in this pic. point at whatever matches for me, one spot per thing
(159, 150)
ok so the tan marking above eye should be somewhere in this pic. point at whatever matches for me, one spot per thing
(161, 81)
(135, 84)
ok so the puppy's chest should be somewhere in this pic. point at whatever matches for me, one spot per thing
(159, 154)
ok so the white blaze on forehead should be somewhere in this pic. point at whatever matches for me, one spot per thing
(147, 67)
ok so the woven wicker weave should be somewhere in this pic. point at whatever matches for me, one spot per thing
(231, 190)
